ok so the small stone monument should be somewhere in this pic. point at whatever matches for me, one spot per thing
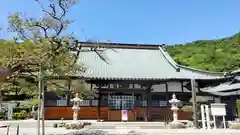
(174, 102)
(76, 107)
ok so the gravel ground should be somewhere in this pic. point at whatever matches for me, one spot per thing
(62, 131)
(29, 128)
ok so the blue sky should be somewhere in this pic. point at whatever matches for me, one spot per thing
(142, 21)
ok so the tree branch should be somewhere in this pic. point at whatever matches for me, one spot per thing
(53, 14)
(64, 11)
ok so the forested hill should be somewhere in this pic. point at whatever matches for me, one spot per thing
(212, 55)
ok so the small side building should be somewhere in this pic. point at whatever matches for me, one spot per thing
(229, 92)
(139, 78)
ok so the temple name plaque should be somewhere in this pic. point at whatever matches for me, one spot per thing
(218, 109)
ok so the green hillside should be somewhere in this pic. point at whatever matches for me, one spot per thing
(212, 55)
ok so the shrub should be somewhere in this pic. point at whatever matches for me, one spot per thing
(55, 125)
(234, 126)
(238, 108)
(62, 125)
(20, 115)
(87, 123)
(177, 125)
(74, 126)
(68, 126)
(187, 108)
(19, 109)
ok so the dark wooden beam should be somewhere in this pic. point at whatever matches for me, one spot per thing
(167, 94)
(68, 92)
(149, 101)
(96, 44)
(198, 88)
(136, 90)
(148, 105)
(182, 87)
(91, 89)
(99, 105)
(183, 93)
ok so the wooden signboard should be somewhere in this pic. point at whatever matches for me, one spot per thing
(124, 115)
(218, 109)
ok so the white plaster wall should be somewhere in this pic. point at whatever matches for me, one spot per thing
(159, 88)
(172, 87)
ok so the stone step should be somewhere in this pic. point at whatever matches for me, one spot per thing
(130, 123)
(126, 127)
(129, 126)
(102, 125)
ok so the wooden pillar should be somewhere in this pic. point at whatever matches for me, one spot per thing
(149, 103)
(198, 87)
(182, 87)
(99, 105)
(167, 94)
(133, 106)
(233, 104)
(166, 116)
(148, 107)
(133, 100)
(68, 93)
(194, 103)
(90, 100)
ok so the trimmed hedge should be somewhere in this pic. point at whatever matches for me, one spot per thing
(20, 115)
(238, 108)
(19, 109)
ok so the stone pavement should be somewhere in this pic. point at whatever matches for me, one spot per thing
(62, 131)
(28, 127)
(95, 124)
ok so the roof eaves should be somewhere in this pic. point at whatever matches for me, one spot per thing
(234, 72)
(142, 79)
(95, 44)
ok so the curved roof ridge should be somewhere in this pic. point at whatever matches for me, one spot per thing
(200, 70)
(235, 72)
(173, 63)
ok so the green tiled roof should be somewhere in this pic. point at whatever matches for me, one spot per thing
(134, 63)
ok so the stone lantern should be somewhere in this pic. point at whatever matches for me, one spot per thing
(76, 107)
(174, 102)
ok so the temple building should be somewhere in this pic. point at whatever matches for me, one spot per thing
(139, 78)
